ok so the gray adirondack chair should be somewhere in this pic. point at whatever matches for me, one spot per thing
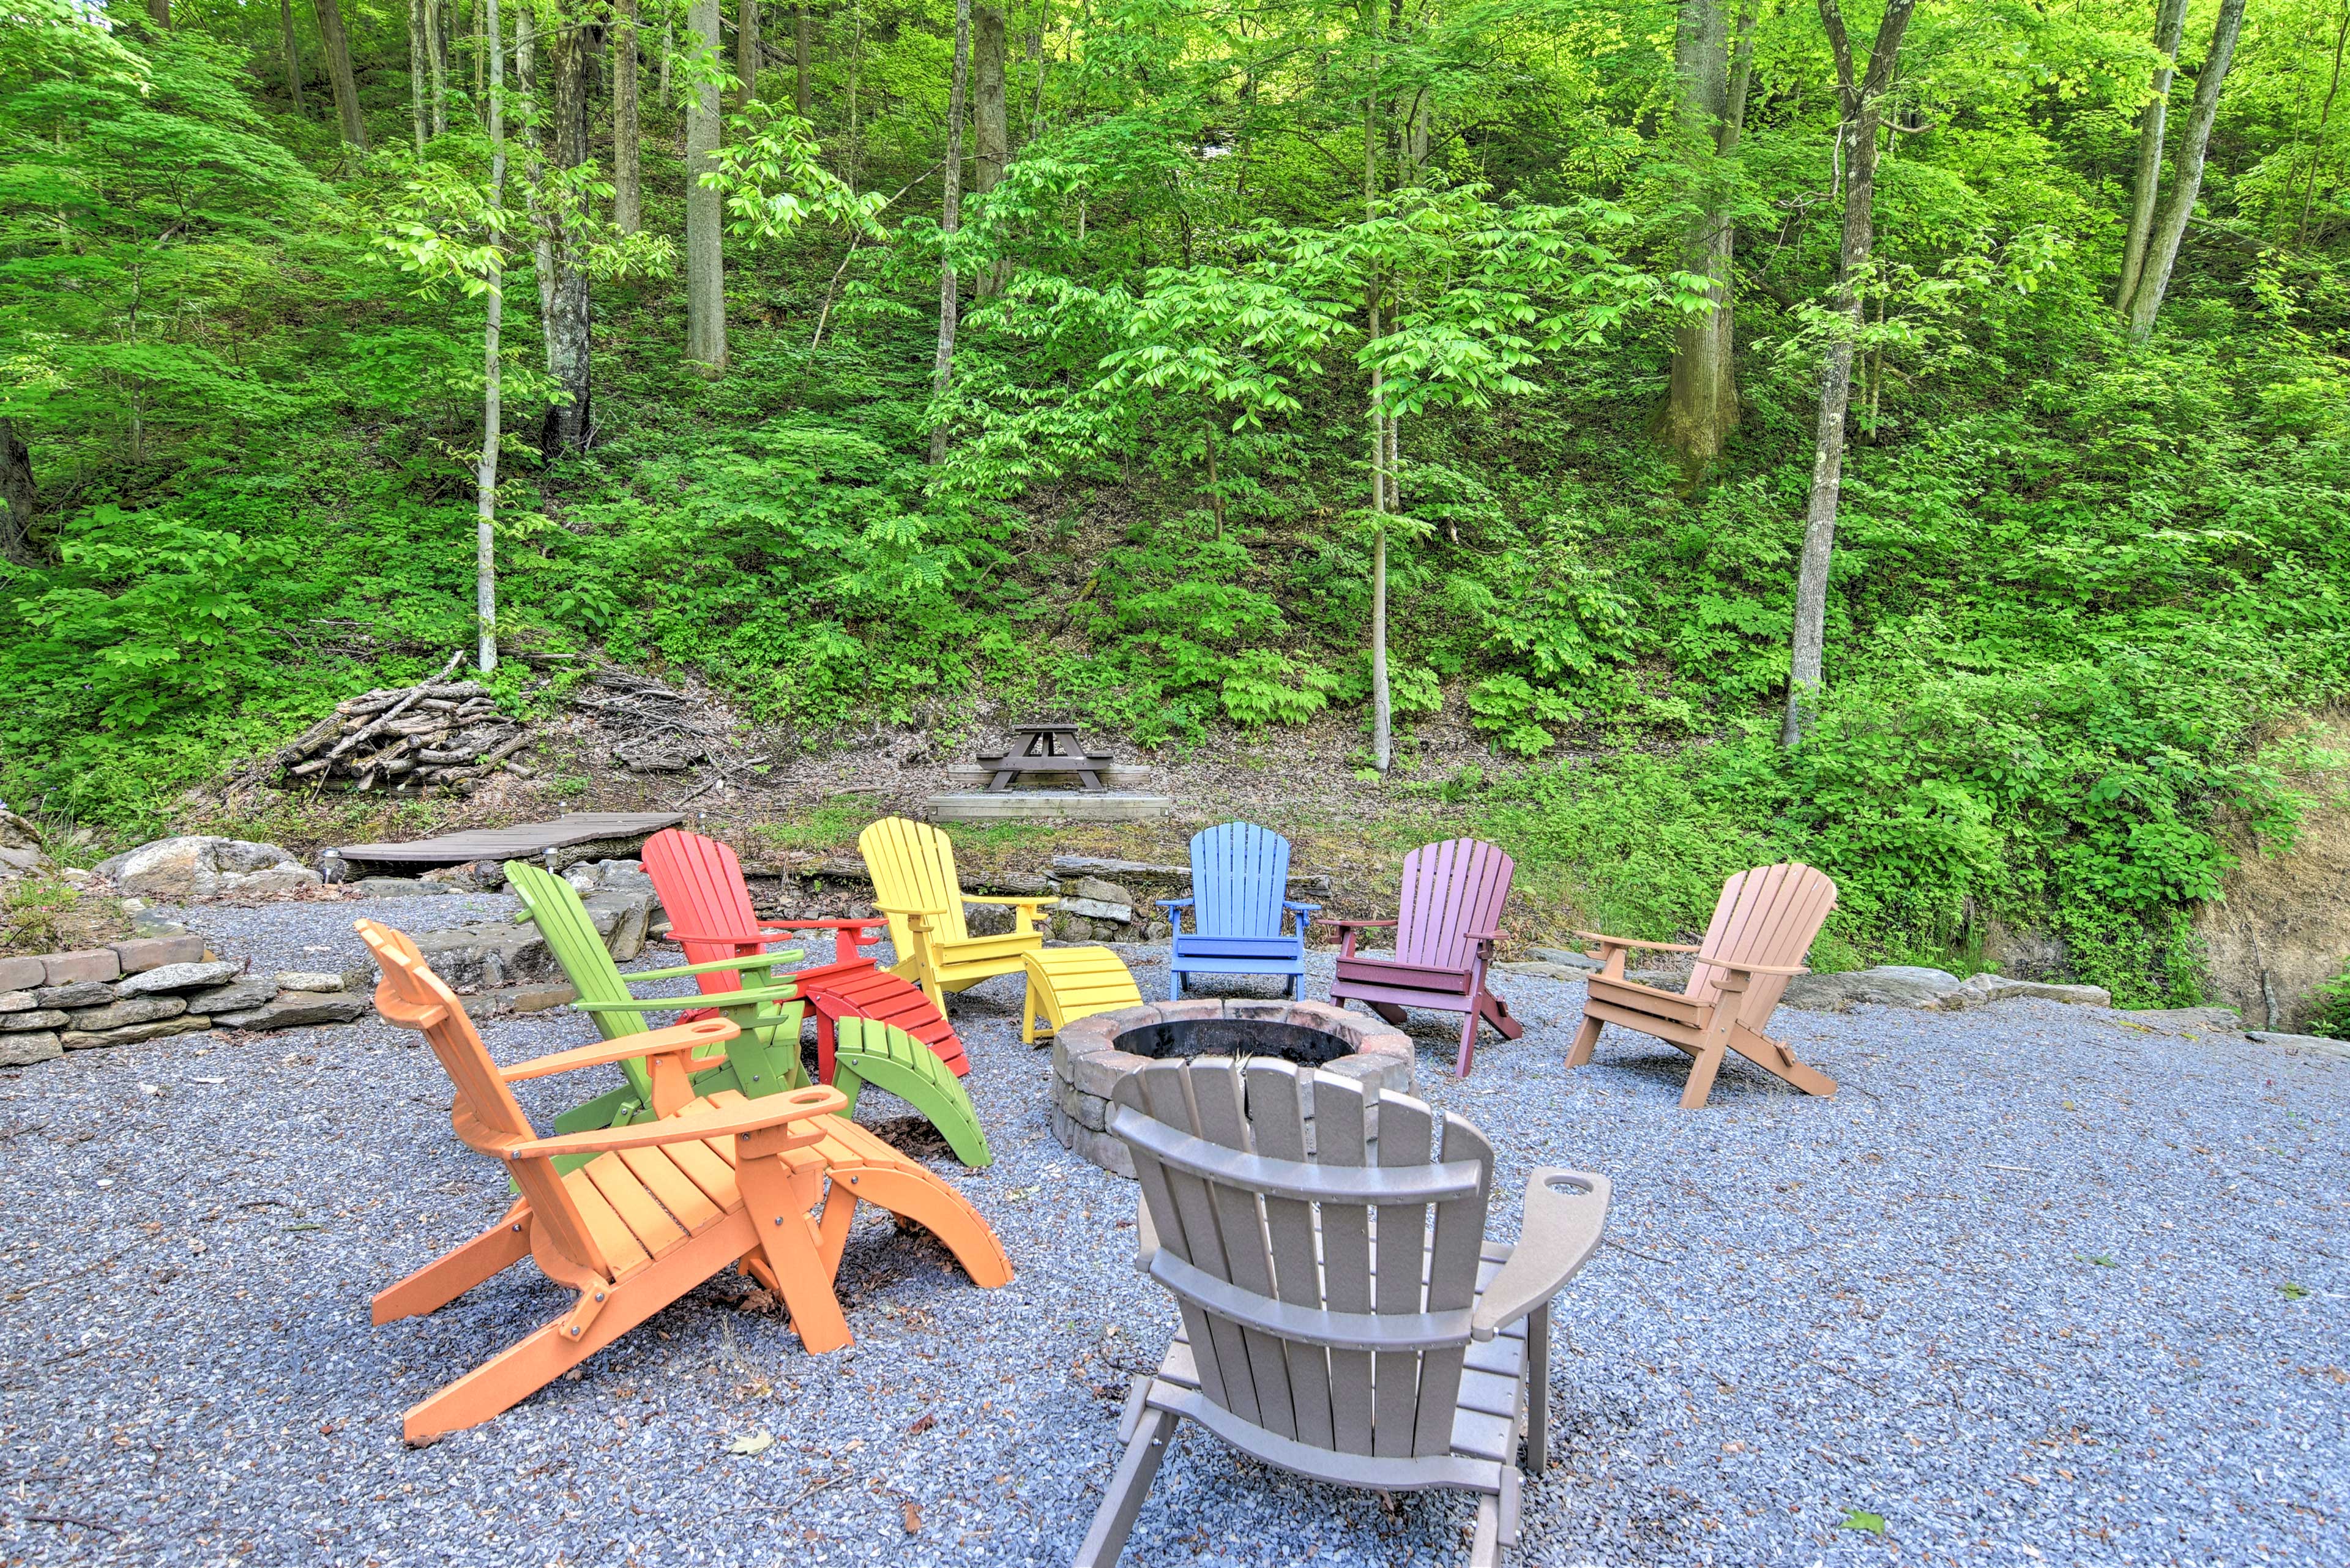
(1328, 1326)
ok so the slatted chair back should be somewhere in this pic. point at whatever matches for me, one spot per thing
(913, 867)
(485, 1111)
(1450, 890)
(1360, 1352)
(700, 887)
(552, 906)
(1240, 873)
(1767, 916)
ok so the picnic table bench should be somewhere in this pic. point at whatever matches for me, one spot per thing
(1037, 749)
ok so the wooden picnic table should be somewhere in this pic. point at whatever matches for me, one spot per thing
(1037, 749)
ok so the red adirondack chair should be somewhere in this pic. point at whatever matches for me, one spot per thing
(700, 886)
(1446, 925)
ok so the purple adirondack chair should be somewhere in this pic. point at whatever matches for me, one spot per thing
(1446, 926)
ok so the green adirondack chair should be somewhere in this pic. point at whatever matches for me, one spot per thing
(764, 1058)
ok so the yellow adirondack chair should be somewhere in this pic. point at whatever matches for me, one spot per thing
(914, 884)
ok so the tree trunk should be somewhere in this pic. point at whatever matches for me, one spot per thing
(436, 45)
(2324, 117)
(338, 71)
(2187, 177)
(628, 163)
(803, 58)
(18, 497)
(293, 54)
(990, 119)
(2169, 27)
(746, 53)
(570, 72)
(942, 368)
(485, 474)
(705, 262)
(534, 169)
(990, 114)
(1702, 407)
(416, 71)
(1862, 106)
(160, 12)
(1382, 708)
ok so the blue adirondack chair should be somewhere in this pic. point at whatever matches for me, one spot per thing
(1239, 874)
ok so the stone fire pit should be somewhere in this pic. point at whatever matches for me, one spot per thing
(1090, 1055)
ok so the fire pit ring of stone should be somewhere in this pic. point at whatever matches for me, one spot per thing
(1090, 1055)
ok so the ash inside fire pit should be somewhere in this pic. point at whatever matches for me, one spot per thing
(1236, 1037)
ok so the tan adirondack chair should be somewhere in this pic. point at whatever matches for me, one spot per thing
(1328, 1328)
(1762, 928)
(659, 1206)
(914, 884)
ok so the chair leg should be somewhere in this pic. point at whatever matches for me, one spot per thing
(1775, 1056)
(1122, 1498)
(1174, 983)
(1538, 1389)
(794, 1254)
(1587, 1035)
(1387, 1010)
(919, 1195)
(1485, 1546)
(1468, 1044)
(496, 1386)
(1701, 1072)
(1497, 1013)
(439, 1282)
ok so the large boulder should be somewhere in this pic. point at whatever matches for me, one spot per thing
(199, 866)
(1911, 985)
(20, 847)
(488, 955)
(1887, 985)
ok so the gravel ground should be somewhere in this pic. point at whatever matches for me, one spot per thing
(2038, 1286)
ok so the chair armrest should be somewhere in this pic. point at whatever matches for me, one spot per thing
(730, 1121)
(1145, 1234)
(1350, 925)
(721, 999)
(1564, 1212)
(1634, 943)
(1016, 903)
(1171, 905)
(687, 1037)
(1301, 909)
(822, 925)
(1483, 936)
(1753, 968)
(716, 966)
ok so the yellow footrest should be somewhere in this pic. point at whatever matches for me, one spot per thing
(1068, 983)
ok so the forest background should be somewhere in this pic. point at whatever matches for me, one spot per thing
(1232, 364)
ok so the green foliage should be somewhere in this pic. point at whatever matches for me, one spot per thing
(2075, 582)
(2332, 1020)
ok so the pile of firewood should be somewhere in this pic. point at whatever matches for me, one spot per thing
(439, 733)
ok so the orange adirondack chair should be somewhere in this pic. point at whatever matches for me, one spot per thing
(700, 886)
(1761, 928)
(664, 1204)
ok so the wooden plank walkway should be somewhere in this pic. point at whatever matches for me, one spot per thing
(522, 841)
